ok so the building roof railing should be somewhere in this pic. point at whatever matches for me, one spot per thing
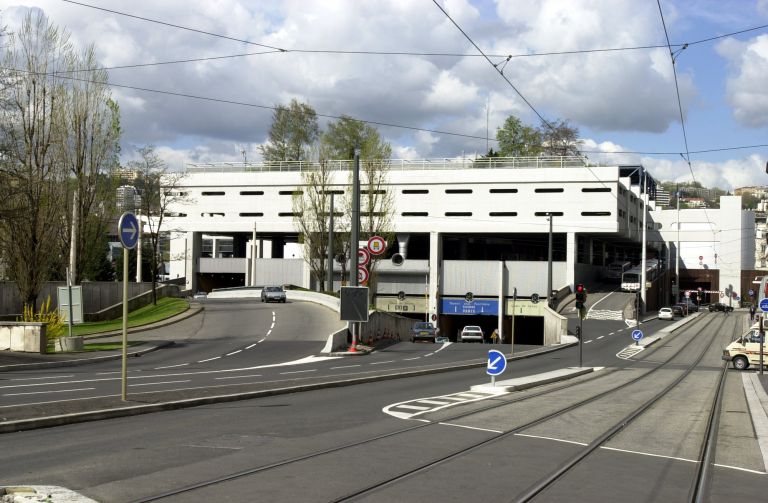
(394, 164)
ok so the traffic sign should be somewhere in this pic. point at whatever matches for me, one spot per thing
(497, 362)
(363, 257)
(751, 293)
(687, 294)
(128, 230)
(401, 295)
(535, 298)
(362, 274)
(469, 296)
(701, 257)
(377, 245)
(637, 334)
(764, 305)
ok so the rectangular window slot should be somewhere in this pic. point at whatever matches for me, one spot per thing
(595, 213)
(211, 193)
(503, 214)
(288, 214)
(337, 192)
(373, 191)
(415, 214)
(596, 189)
(290, 192)
(415, 191)
(548, 213)
(251, 214)
(549, 191)
(251, 192)
(458, 191)
(458, 213)
(503, 191)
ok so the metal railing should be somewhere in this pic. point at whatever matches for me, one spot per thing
(394, 164)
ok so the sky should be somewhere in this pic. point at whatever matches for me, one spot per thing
(627, 104)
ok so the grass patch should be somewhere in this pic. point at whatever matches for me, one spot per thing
(107, 346)
(166, 307)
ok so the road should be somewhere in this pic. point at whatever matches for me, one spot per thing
(653, 459)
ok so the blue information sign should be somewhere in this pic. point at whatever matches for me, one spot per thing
(637, 334)
(764, 305)
(128, 230)
(497, 362)
(476, 306)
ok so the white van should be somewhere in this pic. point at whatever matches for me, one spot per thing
(745, 350)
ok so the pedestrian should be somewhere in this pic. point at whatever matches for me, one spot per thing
(495, 336)
(752, 312)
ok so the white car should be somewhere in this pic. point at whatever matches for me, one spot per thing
(472, 333)
(665, 313)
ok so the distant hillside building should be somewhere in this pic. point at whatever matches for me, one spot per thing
(128, 198)
(662, 197)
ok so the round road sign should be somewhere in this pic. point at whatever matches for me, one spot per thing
(363, 257)
(751, 293)
(362, 274)
(535, 298)
(376, 245)
(401, 295)
(637, 334)
(701, 257)
(764, 305)
(128, 230)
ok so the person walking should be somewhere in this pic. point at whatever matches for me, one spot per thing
(495, 336)
(752, 312)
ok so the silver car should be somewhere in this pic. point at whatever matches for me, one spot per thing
(273, 294)
(472, 333)
(665, 313)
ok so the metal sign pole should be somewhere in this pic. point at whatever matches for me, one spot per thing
(124, 374)
(581, 338)
(69, 301)
(762, 343)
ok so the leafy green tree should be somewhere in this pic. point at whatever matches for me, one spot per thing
(518, 140)
(293, 133)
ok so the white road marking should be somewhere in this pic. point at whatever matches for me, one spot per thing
(60, 401)
(600, 337)
(298, 371)
(272, 325)
(754, 392)
(550, 438)
(262, 340)
(39, 378)
(171, 366)
(252, 345)
(408, 359)
(209, 359)
(380, 363)
(587, 342)
(414, 407)
(433, 402)
(46, 392)
(156, 383)
(471, 427)
(237, 377)
(38, 384)
(234, 352)
(648, 454)
(612, 333)
(758, 472)
(345, 367)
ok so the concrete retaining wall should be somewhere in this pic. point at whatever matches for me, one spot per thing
(24, 337)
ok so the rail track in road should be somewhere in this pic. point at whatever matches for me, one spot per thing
(362, 489)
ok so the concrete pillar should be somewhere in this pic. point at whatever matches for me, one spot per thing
(570, 258)
(192, 259)
(435, 273)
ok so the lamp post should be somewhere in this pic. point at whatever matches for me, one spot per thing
(549, 263)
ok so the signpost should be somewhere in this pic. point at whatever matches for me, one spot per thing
(497, 363)
(128, 231)
(362, 275)
(637, 335)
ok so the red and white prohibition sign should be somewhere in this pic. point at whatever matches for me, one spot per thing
(376, 245)
(362, 274)
(363, 257)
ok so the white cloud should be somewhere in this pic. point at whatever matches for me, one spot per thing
(746, 89)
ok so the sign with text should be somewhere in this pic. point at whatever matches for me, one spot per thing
(476, 306)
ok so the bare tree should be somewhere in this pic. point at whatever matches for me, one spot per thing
(88, 129)
(293, 133)
(159, 191)
(28, 236)
(560, 138)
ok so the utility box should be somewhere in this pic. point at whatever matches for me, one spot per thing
(354, 303)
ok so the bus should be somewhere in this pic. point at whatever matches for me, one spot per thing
(616, 269)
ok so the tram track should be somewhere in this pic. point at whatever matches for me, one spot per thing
(689, 331)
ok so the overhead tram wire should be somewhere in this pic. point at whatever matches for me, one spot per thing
(241, 103)
(672, 56)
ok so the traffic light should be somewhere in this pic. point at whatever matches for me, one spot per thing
(581, 296)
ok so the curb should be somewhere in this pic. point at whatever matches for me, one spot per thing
(51, 421)
(85, 361)
(521, 383)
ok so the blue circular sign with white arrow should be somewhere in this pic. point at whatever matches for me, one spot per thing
(128, 230)
(764, 305)
(637, 334)
(497, 362)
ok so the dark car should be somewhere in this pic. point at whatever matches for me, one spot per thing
(719, 306)
(273, 294)
(692, 306)
(423, 330)
(679, 309)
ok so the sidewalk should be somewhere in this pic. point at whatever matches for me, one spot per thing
(12, 360)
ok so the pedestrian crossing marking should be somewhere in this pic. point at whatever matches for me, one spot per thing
(416, 407)
(604, 314)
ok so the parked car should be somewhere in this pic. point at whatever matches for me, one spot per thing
(423, 330)
(680, 309)
(665, 313)
(273, 294)
(472, 333)
(719, 306)
(200, 295)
